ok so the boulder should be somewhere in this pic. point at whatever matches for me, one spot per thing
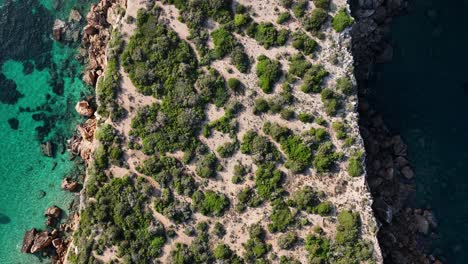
(53, 211)
(28, 240)
(84, 109)
(399, 147)
(90, 30)
(74, 16)
(52, 215)
(42, 240)
(69, 185)
(47, 148)
(407, 172)
(422, 224)
(58, 29)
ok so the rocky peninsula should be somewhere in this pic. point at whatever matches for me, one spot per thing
(227, 131)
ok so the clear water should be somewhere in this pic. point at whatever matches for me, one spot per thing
(423, 94)
(30, 59)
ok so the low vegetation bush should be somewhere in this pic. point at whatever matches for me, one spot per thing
(303, 43)
(210, 203)
(330, 101)
(268, 72)
(260, 148)
(341, 20)
(355, 168)
(314, 21)
(313, 78)
(283, 18)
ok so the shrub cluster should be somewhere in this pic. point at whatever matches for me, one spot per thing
(341, 20)
(255, 248)
(313, 78)
(303, 43)
(331, 101)
(119, 211)
(268, 73)
(355, 168)
(299, 154)
(267, 35)
(210, 203)
(260, 148)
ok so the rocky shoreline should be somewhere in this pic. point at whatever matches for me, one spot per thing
(55, 239)
(404, 233)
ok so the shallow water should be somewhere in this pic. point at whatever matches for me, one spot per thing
(423, 95)
(34, 70)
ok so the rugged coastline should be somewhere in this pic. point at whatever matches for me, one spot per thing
(96, 36)
(405, 232)
(91, 76)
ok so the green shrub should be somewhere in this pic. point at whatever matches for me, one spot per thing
(228, 149)
(240, 59)
(241, 20)
(268, 72)
(288, 260)
(348, 244)
(304, 199)
(261, 149)
(315, 20)
(299, 8)
(298, 65)
(239, 173)
(106, 134)
(212, 88)
(341, 20)
(287, 240)
(267, 35)
(283, 17)
(324, 4)
(304, 43)
(340, 130)
(210, 203)
(281, 217)
(324, 208)
(324, 158)
(313, 78)
(168, 173)
(330, 101)
(219, 230)
(119, 211)
(319, 249)
(287, 114)
(247, 197)
(268, 181)
(306, 117)
(344, 85)
(286, 3)
(206, 166)
(222, 252)
(255, 248)
(223, 41)
(261, 106)
(355, 168)
(234, 84)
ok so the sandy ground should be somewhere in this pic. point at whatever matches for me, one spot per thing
(340, 189)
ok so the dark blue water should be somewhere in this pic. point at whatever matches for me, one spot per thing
(423, 94)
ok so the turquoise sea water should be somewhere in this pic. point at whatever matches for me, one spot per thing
(423, 94)
(39, 85)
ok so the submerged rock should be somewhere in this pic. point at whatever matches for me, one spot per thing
(14, 123)
(28, 240)
(47, 149)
